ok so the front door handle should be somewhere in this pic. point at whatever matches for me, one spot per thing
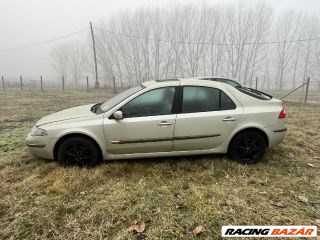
(229, 119)
(164, 123)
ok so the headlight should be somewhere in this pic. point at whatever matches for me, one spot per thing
(36, 131)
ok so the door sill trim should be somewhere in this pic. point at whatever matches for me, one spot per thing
(162, 139)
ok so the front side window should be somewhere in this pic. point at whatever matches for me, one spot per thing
(205, 99)
(119, 98)
(151, 103)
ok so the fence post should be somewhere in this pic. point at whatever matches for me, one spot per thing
(87, 84)
(41, 84)
(307, 90)
(3, 83)
(257, 83)
(63, 83)
(21, 85)
(114, 84)
(34, 85)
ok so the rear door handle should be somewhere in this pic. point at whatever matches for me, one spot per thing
(229, 119)
(164, 123)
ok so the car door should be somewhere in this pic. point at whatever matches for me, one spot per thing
(208, 115)
(147, 125)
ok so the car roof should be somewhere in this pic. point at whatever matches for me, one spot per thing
(216, 77)
(183, 81)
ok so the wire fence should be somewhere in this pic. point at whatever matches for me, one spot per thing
(307, 92)
(52, 83)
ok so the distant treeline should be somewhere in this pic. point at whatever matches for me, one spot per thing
(243, 42)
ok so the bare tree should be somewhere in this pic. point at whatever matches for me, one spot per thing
(241, 41)
(287, 29)
(76, 60)
(59, 57)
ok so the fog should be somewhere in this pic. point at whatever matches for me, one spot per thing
(33, 21)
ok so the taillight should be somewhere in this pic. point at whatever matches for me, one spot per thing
(282, 114)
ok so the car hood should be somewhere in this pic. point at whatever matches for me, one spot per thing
(67, 114)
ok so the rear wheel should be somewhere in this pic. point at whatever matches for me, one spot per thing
(248, 147)
(78, 151)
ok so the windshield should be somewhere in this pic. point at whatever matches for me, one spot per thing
(119, 98)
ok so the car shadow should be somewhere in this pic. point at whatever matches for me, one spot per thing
(162, 160)
(125, 166)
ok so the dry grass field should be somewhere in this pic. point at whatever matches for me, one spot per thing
(170, 196)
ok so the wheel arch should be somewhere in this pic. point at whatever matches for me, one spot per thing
(255, 129)
(75, 134)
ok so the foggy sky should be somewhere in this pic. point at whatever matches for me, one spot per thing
(24, 22)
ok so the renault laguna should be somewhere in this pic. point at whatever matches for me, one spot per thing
(164, 118)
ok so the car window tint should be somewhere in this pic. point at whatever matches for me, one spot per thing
(225, 102)
(154, 102)
(119, 98)
(200, 99)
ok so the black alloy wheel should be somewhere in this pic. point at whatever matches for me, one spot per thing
(78, 151)
(248, 147)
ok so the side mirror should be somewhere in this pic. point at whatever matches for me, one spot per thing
(118, 115)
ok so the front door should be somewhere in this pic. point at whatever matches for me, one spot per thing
(147, 126)
(208, 115)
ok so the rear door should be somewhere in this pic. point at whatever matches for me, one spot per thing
(207, 117)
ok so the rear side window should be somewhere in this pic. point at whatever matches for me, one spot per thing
(200, 99)
(205, 99)
(225, 102)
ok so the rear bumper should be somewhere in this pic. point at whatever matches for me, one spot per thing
(276, 135)
(280, 130)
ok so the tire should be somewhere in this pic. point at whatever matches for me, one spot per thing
(247, 147)
(78, 151)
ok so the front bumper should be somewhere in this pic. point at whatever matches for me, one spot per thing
(35, 145)
(40, 146)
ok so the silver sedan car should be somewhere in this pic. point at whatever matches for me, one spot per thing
(161, 119)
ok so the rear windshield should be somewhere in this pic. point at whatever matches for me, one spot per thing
(223, 80)
(254, 93)
(229, 81)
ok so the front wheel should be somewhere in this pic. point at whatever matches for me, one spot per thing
(247, 147)
(78, 151)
